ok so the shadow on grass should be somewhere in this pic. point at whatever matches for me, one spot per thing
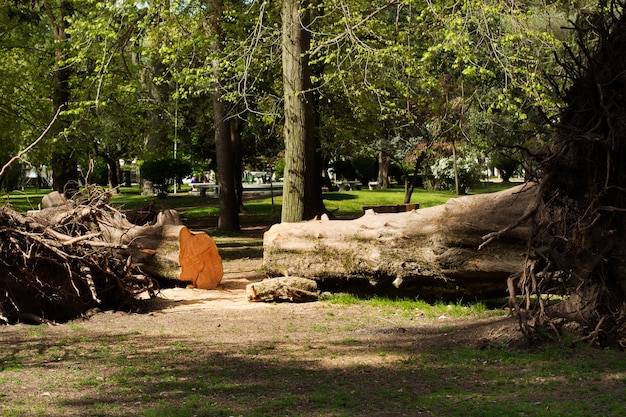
(338, 196)
(393, 371)
(242, 250)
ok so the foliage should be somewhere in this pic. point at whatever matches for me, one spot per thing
(165, 172)
(441, 175)
(506, 164)
(279, 168)
(362, 167)
(11, 178)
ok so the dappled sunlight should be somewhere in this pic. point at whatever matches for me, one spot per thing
(369, 370)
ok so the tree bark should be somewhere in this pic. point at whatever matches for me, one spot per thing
(384, 161)
(63, 160)
(113, 166)
(229, 203)
(431, 253)
(298, 127)
(235, 140)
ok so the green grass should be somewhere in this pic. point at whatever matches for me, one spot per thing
(406, 307)
(342, 204)
(141, 375)
(29, 199)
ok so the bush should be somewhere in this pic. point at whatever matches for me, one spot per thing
(360, 167)
(441, 176)
(366, 167)
(505, 164)
(279, 168)
(11, 179)
(164, 172)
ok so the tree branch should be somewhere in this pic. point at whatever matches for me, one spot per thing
(32, 145)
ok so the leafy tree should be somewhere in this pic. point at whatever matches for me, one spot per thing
(64, 163)
(164, 172)
(27, 54)
(444, 174)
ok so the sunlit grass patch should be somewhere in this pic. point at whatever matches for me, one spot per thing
(417, 307)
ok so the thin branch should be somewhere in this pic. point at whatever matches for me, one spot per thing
(32, 145)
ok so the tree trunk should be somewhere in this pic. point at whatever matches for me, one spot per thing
(113, 170)
(235, 140)
(63, 161)
(163, 249)
(432, 253)
(409, 185)
(455, 166)
(384, 161)
(299, 153)
(229, 203)
(314, 200)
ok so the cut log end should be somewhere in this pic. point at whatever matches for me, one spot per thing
(199, 259)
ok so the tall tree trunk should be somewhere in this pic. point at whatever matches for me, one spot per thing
(314, 200)
(298, 128)
(63, 161)
(455, 166)
(113, 170)
(409, 185)
(229, 204)
(235, 140)
(384, 161)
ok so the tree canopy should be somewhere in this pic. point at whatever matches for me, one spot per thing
(142, 77)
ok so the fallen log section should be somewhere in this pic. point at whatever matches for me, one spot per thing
(57, 272)
(432, 253)
(72, 256)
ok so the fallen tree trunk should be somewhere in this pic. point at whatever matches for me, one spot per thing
(162, 248)
(432, 253)
(72, 256)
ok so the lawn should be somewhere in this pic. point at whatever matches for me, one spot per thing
(333, 358)
(343, 204)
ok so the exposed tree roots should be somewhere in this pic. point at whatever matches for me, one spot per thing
(59, 270)
(577, 254)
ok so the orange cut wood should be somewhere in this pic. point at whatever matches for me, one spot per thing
(200, 260)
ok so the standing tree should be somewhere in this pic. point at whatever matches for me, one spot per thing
(226, 173)
(299, 123)
(63, 159)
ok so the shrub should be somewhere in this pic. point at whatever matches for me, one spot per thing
(441, 176)
(505, 164)
(164, 172)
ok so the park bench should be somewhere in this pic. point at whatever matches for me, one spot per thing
(201, 188)
(348, 185)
